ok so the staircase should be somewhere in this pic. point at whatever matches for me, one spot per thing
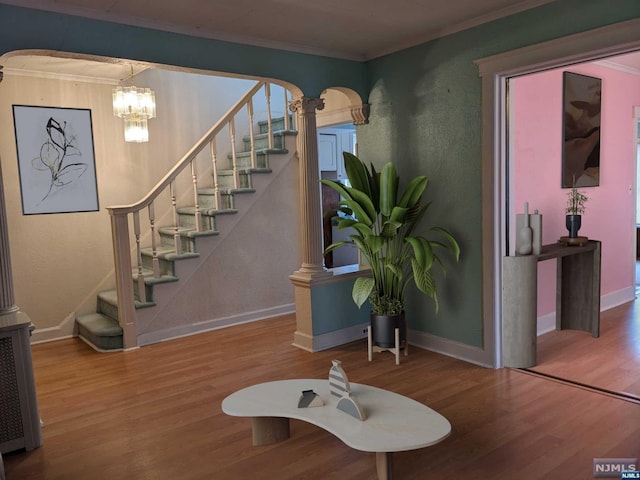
(195, 223)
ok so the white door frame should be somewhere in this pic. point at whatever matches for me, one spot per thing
(587, 46)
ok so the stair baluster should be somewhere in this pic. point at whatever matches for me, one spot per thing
(142, 291)
(196, 200)
(176, 217)
(154, 243)
(234, 156)
(251, 135)
(216, 185)
(267, 93)
(287, 119)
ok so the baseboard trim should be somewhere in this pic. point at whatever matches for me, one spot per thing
(547, 323)
(214, 324)
(614, 299)
(66, 329)
(339, 337)
(451, 348)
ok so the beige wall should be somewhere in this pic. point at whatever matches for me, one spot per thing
(60, 261)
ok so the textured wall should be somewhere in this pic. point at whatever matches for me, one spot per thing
(425, 114)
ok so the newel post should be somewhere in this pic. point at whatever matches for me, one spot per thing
(124, 279)
(311, 271)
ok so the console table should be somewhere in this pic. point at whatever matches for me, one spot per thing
(577, 297)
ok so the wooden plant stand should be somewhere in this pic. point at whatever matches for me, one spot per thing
(395, 349)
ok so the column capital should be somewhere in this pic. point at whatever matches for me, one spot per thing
(360, 114)
(303, 105)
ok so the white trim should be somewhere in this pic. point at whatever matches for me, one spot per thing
(619, 297)
(618, 66)
(461, 351)
(547, 323)
(214, 324)
(18, 72)
(329, 340)
(66, 329)
(591, 45)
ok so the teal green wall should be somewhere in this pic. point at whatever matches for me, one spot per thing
(332, 308)
(426, 116)
(22, 28)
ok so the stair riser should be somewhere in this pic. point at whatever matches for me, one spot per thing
(148, 292)
(103, 343)
(187, 244)
(263, 142)
(207, 201)
(244, 162)
(108, 309)
(166, 267)
(226, 181)
(188, 220)
(276, 124)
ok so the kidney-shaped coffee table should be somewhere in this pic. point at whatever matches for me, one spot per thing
(393, 422)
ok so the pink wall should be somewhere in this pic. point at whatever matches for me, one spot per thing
(536, 151)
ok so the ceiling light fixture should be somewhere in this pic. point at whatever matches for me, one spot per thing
(135, 106)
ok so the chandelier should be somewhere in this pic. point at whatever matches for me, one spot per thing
(135, 106)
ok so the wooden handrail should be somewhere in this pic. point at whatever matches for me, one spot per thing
(188, 157)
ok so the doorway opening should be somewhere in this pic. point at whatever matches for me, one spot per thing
(332, 141)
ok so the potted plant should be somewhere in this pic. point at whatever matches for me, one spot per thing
(383, 224)
(575, 208)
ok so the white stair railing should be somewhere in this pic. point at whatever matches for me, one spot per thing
(122, 215)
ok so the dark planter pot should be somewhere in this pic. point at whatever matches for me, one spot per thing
(383, 330)
(573, 222)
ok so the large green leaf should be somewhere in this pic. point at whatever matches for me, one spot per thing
(333, 246)
(358, 211)
(453, 244)
(362, 288)
(357, 173)
(390, 229)
(338, 187)
(413, 192)
(422, 251)
(425, 282)
(365, 203)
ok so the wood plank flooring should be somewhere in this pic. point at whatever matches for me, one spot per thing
(611, 362)
(154, 413)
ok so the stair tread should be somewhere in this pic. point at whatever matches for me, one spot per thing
(99, 324)
(168, 253)
(111, 297)
(260, 151)
(211, 212)
(149, 279)
(276, 133)
(190, 232)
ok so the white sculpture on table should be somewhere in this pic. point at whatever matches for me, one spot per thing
(339, 387)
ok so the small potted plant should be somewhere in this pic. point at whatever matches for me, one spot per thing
(575, 208)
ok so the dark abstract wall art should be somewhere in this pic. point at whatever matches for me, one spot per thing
(56, 160)
(581, 131)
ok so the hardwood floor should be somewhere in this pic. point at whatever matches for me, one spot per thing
(154, 413)
(611, 362)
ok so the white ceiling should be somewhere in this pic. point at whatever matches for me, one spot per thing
(353, 29)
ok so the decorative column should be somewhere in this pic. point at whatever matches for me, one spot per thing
(7, 304)
(310, 213)
(312, 270)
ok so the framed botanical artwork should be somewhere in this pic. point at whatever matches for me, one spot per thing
(581, 131)
(56, 160)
